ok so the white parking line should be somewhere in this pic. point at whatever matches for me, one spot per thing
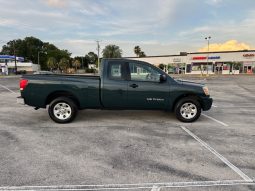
(155, 188)
(134, 186)
(220, 122)
(238, 106)
(222, 158)
(214, 105)
(7, 89)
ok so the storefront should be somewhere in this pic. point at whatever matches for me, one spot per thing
(227, 62)
(233, 62)
(203, 64)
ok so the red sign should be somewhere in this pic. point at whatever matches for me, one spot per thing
(248, 55)
(199, 58)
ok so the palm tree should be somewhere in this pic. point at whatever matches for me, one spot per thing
(142, 54)
(137, 50)
(76, 63)
(63, 64)
(52, 63)
(112, 51)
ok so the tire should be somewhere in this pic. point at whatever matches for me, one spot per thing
(62, 110)
(188, 109)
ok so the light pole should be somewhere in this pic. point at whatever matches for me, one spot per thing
(208, 43)
(15, 59)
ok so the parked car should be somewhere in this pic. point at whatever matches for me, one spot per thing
(122, 84)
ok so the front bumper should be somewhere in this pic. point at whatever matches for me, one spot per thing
(206, 103)
(20, 100)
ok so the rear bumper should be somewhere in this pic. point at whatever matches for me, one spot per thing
(206, 103)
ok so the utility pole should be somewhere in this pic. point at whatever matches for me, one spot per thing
(208, 44)
(98, 52)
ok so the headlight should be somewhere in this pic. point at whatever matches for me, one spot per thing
(206, 90)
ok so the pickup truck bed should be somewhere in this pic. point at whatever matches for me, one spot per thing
(42, 88)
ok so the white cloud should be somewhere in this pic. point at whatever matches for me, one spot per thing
(137, 17)
(17, 24)
(230, 45)
(214, 2)
(152, 24)
(56, 3)
(6, 22)
(196, 30)
(223, 30)
(117, 17)
(32, 12)
(93, 9)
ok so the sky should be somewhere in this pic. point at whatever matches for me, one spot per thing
(159, 27)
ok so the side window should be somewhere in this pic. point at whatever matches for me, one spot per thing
(115, 70)
(140, 72)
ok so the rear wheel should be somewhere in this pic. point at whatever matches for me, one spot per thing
(62, 110)
(188, 109)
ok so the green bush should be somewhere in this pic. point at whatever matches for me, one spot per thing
(90, 70)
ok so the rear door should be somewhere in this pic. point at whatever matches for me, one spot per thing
(114, 86)
(145, 91)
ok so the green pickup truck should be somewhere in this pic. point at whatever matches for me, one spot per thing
(122, 84)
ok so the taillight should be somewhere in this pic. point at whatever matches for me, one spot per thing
(22, 84)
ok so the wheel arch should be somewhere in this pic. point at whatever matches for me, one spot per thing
(191, 95)
(57, 94)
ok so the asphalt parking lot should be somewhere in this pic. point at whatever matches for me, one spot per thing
(138, 150)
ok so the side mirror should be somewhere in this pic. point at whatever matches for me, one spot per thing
(162, 78)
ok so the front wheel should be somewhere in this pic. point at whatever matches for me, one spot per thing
(62, 110)
(188, 109)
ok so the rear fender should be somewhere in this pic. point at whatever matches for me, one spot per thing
(57, 94)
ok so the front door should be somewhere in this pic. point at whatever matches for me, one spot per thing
(145, 91)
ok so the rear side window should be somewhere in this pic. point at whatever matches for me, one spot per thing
(115, 70)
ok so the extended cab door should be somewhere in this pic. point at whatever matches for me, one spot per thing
(145, 91)
(114, 85)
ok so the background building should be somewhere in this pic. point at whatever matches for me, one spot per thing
(7, 62)
(227, 62)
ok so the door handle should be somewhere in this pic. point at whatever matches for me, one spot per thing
(133, 85)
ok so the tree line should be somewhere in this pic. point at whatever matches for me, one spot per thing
(31, 48)
(51, 57)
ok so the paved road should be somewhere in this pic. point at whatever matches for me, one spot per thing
(132, 147)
